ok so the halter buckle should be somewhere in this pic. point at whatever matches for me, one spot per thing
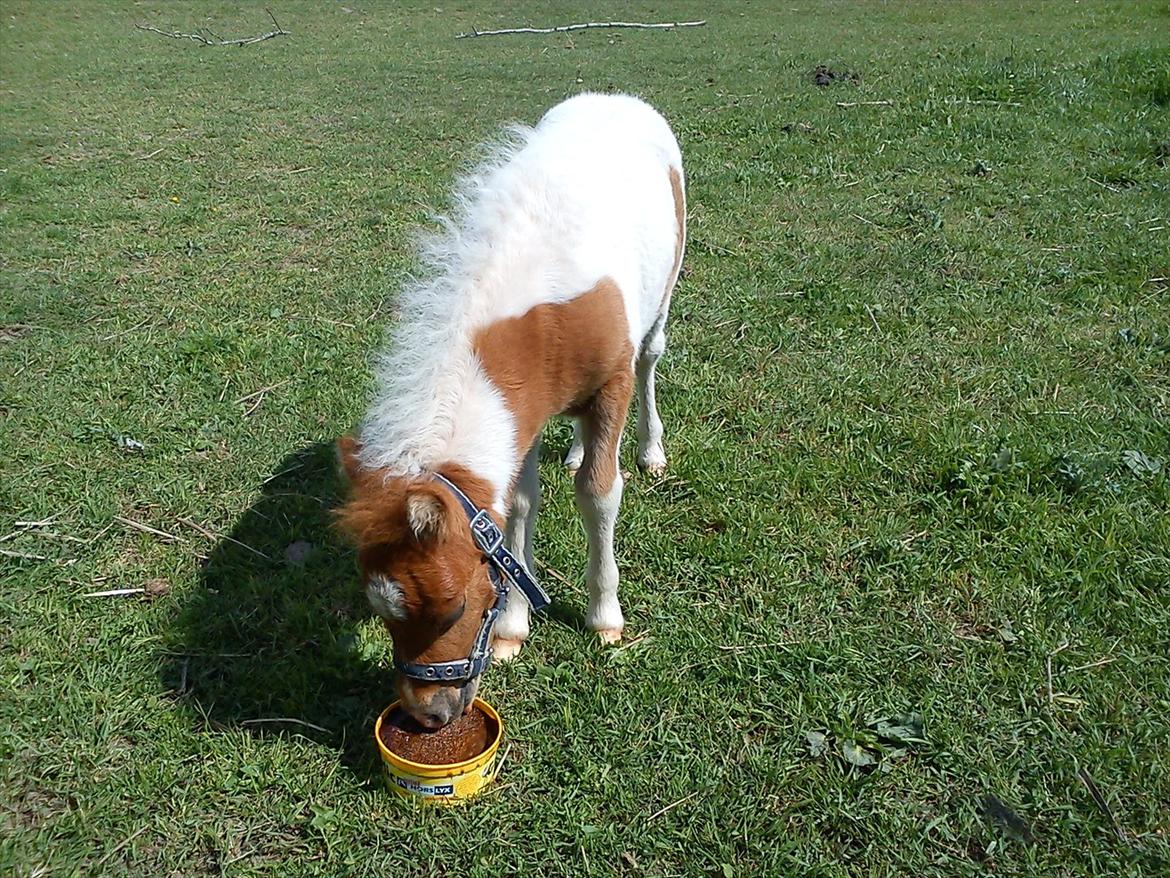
(486, 534)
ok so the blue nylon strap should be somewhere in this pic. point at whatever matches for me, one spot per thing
(490, 540)
(481, 652)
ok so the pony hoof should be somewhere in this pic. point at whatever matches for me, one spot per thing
(610, 635)
(655, 468)
(504, 650)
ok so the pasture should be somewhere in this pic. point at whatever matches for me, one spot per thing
(900, 605)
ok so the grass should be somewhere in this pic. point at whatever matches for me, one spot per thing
(915, 351)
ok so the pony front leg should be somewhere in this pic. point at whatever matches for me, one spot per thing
(599, 511)
(599, 496)
(512, 626)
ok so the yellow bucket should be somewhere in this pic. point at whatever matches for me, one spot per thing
(441, 784)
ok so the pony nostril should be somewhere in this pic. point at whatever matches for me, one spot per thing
(435, 720)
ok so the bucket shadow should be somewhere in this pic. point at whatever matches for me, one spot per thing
(270, 641)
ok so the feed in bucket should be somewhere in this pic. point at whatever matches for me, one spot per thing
(445, 765)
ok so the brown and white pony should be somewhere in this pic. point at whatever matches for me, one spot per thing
(546, 294)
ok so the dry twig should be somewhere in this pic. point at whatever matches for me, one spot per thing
(666, 25)
(119, 846)
(283, 719)
(662, 811)
(210, 534)
(44, 522)
(742, 647)
(555, 574)
(146, 528)
(1048, 668)
(259, 396)
(1099, 799)
(215, 41)
(1097, 664)
(618, 650)
(25, 556)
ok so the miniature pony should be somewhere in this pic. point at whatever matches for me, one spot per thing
(546, 293)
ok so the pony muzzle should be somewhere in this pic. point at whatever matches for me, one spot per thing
(433, 705)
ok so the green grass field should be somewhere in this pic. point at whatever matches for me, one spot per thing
(917, 400)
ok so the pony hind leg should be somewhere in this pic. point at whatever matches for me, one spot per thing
(576, 453)
(651, 453)
(599, 496)
(512, 626)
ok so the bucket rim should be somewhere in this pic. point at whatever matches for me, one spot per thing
(425, 770)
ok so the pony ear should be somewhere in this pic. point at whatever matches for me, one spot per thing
(347, 451)
(426, 514)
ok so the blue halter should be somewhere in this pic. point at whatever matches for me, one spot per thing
(503, 567)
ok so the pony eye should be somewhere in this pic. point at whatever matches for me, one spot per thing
(453, 617)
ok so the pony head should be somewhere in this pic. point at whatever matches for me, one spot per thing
(423, 575)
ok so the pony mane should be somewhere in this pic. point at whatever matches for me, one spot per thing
(426, 363)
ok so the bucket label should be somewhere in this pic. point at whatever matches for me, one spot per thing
(424, 789)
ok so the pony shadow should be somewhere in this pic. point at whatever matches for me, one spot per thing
(270, 641)
(564, 614)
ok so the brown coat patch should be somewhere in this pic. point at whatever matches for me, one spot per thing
(680, 219)
(556, 357)
(604, 420)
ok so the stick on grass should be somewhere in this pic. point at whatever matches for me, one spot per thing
(587, 25)
(215, 41)
(210, 534)
(1099, 799)
(672, 805)
(283, 719)
(8, 553)
(146, 528)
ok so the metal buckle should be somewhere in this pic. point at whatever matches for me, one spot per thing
(485, 533)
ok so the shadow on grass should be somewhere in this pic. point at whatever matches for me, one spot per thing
(274, 636)
(567, 615)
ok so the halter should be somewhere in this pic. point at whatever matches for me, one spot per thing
(502, 567)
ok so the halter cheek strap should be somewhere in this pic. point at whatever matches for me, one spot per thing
(490, 540)
(503, 567)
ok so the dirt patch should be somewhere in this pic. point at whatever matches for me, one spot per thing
(35, 808)
(14, 331)
(462, 739)
(824, 75)
(157, 588)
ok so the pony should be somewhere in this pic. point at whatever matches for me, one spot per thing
(544, 293)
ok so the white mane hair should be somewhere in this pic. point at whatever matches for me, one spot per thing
(549, 211)
(426, 368)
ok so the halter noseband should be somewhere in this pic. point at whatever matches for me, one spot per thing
(503, 567)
